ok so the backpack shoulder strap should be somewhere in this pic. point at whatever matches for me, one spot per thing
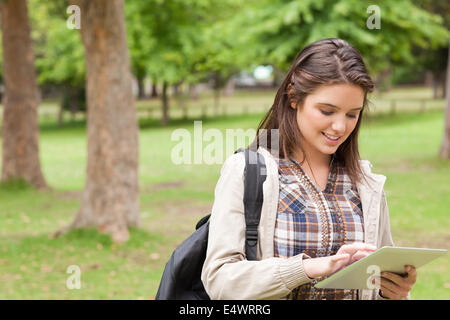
(255, 175)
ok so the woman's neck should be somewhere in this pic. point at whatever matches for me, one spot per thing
(315, 159)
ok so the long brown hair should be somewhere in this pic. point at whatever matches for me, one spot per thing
(327, 61)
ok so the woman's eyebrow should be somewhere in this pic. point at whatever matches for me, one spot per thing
(333, 106)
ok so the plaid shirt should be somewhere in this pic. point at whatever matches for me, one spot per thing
(316, 223)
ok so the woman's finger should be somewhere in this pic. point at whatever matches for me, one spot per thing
(393, 287)
(339, 257)
(355, 247)
(359, 255)
(387, 293)
(400, 281)
(412, 273)
(362, 246)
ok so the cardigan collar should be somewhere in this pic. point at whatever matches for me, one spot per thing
(375, 182)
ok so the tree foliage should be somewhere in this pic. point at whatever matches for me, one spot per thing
(276, 30)
(186, 40)
(59, 50)
(172, 41)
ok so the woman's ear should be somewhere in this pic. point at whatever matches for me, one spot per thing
(294, 105)
(290, 93)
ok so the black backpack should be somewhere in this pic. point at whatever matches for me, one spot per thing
(181, 277)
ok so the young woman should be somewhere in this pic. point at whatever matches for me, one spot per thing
(323, 207)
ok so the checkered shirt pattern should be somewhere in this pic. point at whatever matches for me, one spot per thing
(316, 222)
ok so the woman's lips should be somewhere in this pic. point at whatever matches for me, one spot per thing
(331, 141)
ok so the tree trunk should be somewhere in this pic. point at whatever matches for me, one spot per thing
(20, 130)
(443, 83)
(180, 98)
(61, 113)
(165, 105)
(435, 87)
(154, 93)
(110, 198)
(141, 88)
(445, 146)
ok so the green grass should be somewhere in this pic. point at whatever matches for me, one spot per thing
(33, 265)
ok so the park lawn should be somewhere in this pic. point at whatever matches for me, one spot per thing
(244, 101)
(173, 197)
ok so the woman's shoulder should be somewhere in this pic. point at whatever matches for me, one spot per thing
(366, 166)
(235, 162)
(375, 181)
(238, 158)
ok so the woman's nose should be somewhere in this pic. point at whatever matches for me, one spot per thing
(339, 126)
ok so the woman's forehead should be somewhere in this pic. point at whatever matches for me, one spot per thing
(340, 96)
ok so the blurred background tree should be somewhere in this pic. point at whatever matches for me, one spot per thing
(110, 200)
(59, 56)
(20, 131)
(171, 43)
(275, 31)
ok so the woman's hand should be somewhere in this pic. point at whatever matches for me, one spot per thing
(394, 286)
(346, 255)
(356, 251)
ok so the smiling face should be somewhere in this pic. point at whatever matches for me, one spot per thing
(327, 118)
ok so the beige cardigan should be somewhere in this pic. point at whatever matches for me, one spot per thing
(227, 274)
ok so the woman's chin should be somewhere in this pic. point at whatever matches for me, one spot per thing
(328, 150)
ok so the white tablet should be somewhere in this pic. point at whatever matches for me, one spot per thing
(393, 259)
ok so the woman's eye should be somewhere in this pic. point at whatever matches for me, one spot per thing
(327, 113)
